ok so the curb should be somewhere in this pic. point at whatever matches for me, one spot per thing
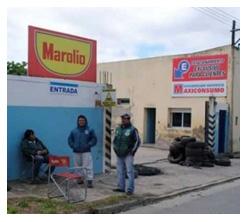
(121, 207)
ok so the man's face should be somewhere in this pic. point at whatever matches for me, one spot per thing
(32, 137)
(81, 122)
(125, 120)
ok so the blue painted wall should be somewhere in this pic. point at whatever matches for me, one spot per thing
(52, 125)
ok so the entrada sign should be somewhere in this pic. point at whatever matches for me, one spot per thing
(58, 55)
(63, 88)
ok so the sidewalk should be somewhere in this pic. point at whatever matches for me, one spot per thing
(175, 180)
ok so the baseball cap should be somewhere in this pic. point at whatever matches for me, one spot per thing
(125, 115)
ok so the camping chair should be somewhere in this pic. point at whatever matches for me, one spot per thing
(29, 163)
(64, 178)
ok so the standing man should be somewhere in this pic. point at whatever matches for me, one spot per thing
(81, 139)
(126, 142)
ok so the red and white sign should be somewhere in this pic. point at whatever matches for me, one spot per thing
(200, 76)
(200, 89)
(58, 55)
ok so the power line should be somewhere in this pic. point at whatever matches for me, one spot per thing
(221, 16)
(216, 15)
(227, 14)
(210, 15)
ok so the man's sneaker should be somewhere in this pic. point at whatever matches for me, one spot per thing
(129, 193)
(118, 190)
(90, 184)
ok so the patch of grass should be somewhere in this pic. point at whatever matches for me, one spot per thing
(23, 204)
(12, 210)
(34, 205)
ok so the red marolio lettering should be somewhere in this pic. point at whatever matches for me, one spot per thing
(60, 56)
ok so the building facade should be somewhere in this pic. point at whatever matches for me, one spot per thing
(144, 87)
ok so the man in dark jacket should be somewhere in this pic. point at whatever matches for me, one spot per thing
(34, 150)
(126, 142)
(81, 139)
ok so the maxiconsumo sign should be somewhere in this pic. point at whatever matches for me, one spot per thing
(58, 55)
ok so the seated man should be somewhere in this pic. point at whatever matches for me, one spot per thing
(33, 148)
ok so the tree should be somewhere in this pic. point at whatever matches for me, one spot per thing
(17, 68)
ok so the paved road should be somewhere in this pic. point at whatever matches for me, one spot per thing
(221, 199)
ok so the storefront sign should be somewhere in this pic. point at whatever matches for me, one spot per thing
(200, 76)
(58, 55)
(187, 89)
(63, 88)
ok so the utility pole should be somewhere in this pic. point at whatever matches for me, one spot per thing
(233, 31)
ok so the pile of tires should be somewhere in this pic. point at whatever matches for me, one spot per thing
(222, 160)
(187, 151)
(198, 154)
(147, 171)
(177, 148)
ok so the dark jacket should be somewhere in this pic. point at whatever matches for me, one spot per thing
(126, 140)
(32, 147)
(81, 139)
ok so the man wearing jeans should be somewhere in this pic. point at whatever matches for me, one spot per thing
(126, 142)
(81, 139)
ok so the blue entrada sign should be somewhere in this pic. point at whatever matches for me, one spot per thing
(64, 88)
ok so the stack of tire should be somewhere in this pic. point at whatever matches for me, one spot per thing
(198, 154)
(187, 151)
(177, 149)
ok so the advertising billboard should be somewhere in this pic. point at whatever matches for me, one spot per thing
(200, 76)
(59, 55)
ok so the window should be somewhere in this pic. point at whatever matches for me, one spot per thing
(179, 117)
(123, 101)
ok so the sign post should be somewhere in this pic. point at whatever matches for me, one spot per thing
(108, 101)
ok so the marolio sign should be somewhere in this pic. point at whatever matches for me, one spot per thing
(58, 55)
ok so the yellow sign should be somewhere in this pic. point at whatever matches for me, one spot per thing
(66, 56)
(109, 97)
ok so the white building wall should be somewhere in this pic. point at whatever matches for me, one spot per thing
(21, 91)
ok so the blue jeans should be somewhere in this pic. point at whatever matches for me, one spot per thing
(123, 164)
(38, 161)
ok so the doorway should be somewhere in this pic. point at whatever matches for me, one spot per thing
(222, 131)
(149, 125)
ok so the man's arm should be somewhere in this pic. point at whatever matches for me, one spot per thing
(93, 139)
(137, 141)
(71, 140)
(26, 149)
(44, 148)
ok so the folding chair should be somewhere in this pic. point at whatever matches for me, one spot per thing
(27, 169)
(66, 179)
(26, 165)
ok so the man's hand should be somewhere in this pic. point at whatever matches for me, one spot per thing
(42, 152)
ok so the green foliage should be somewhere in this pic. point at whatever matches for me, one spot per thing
(17, 68)
(33, 205)
(11, 210)
(23, 204)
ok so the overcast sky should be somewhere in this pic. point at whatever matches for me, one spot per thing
(125, 33)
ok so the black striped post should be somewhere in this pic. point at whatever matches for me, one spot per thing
(108, 114)
(211, 124)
